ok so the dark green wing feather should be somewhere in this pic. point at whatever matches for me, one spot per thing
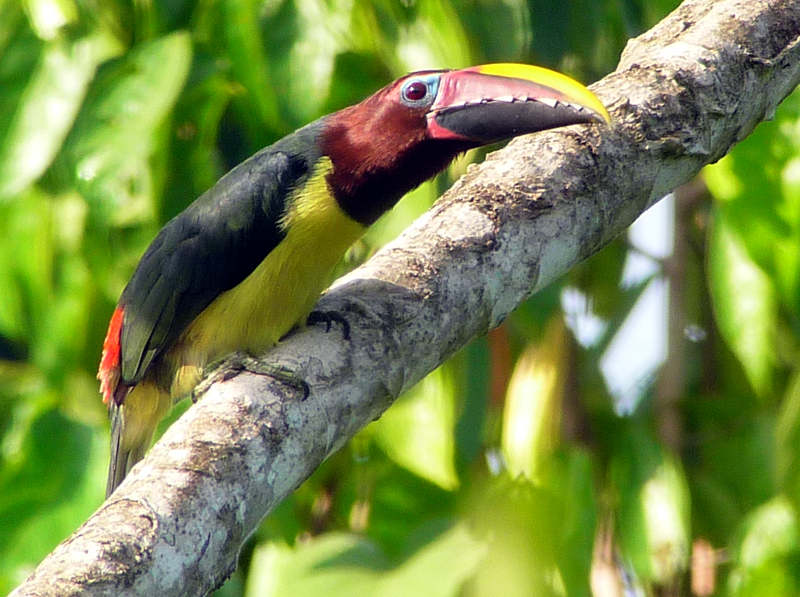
(209, 248)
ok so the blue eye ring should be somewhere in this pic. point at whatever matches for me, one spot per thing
(420, 91)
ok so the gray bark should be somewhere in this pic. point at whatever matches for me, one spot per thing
(683, 95)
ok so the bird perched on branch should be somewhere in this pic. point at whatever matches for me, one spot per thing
(247, 261)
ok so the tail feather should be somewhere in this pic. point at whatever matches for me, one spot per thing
(118, 465)
(132, 427)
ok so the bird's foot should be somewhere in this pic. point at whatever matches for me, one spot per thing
(221, 370)
(329, 318)
(284, 375)
(233, 364)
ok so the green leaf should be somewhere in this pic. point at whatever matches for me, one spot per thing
(48, 108)
(334, 564)
(745, 304)
(398, 500)
(418, 432)
(25, 276)
(107, 154)
(250, 66)
(338, 564)
(758, 189)
(45, 291)
(448, 39)
(438, 569)
(410, 207)
(45, 523)
(523, 525)
(474, 367)
(321, 29)
(500, 30)
(21, 52)
(573, 479)
(48, 17)
(195, 164)
(532, 416)
(62, 338)
(356, 75)
(766, 554)
(788, 441)
(550, 30)
(741, 438)
(435, 38)
(53, 460)
(653, 516)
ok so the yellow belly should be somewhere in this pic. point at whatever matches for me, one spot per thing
(279, 294)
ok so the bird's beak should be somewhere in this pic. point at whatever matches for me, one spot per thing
(493, 102)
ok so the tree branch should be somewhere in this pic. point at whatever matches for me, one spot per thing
(683, 95)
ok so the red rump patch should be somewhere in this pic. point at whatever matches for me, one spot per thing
(109, 363)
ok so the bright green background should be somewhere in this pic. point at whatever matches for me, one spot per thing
(114, 115)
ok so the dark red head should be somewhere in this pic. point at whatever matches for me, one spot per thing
(412, 129)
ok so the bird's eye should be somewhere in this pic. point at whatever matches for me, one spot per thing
(420, 90)
(415, 91)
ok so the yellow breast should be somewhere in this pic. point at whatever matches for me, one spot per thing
(282, 290)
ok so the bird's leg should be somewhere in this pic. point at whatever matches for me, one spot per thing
(236, 362)
(329, 318)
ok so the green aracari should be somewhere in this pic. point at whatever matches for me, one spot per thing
(246, 262)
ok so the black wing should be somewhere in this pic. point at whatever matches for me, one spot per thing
(209, 248)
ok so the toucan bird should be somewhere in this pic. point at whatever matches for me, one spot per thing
(247, 261)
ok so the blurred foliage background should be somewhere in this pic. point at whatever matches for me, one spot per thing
(632, 430)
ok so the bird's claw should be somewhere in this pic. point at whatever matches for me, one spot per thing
(329, 318)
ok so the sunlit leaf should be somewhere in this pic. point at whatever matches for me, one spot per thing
(665, 498)
(49, 16)
(499, 30)
(21, 51)
(195, 160)
(758, 188)
(418, 432)
(322, 29)
(574, 480)
(44, 526)
(107, 153)
(532, 416)
(346, 565)
(523, 526)
(435, 39)
(788, 441)
(54, 456)
(438, 569)
(765, 557)
(250, 66)
(61, 342)
(25, 276)
(653, 516)
(745, 303)
(48, 108)
(335, 564)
